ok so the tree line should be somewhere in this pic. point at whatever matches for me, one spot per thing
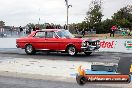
(93, 20)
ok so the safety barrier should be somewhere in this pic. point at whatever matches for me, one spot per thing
(106, 45)
(7, 42)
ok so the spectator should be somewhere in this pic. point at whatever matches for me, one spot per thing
(129, 32)
(34, 29)
(83, 32)
(50, 27)
(112, 31)
(21, 30)
(29, 30)
(11, 30)
(2, 32)
(77, 31)
(124, 32)
(24, 30)
(65, 26)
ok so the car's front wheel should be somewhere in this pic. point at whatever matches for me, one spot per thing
(72, 51)
(29, 49)
(88, 53)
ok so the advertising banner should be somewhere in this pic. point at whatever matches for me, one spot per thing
(116, 45)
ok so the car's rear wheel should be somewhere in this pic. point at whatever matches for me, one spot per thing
(88, 53)
(29, 49)
(72, 51)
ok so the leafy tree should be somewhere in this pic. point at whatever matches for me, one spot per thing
(30, 25)
(123, 17)
(41, 26)
(106, 25)
(94, 15)
(2, 23)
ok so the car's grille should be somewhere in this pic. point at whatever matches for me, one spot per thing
(93, 43)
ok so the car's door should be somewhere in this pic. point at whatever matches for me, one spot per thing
(51, 41)
(38, 41)
(62, 41)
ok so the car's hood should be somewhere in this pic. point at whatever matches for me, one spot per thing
(90, 39)
(86, 39)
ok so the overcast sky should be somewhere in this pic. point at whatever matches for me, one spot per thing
(21, 12)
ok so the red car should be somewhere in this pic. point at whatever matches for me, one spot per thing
(56, 40)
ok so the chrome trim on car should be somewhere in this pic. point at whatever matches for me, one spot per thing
(61, 50)
(43, 49)
(83, 47)
(89, 48)
(49, 49)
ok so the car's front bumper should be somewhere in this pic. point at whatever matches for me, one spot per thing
(17, 46)
(89, 48)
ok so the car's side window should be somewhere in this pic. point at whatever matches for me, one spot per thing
(40, 35)
(55, 35)
(59, 33)
(50, 35)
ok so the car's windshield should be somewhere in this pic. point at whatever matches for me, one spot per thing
(65, 34)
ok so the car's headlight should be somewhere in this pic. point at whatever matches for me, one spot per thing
(84, 44)
(98, 42)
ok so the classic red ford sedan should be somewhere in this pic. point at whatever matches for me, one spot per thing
(60, 40)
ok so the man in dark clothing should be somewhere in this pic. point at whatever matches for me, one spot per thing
(21, 29)
(83, 32)
(34, 29)
(28, 31)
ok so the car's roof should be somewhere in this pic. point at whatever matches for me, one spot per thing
(32, 33)
(51, 30)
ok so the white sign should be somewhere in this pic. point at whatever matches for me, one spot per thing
(116, 45)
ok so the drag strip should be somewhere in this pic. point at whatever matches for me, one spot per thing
(54, 64)
(49, 66)
(94, 57)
